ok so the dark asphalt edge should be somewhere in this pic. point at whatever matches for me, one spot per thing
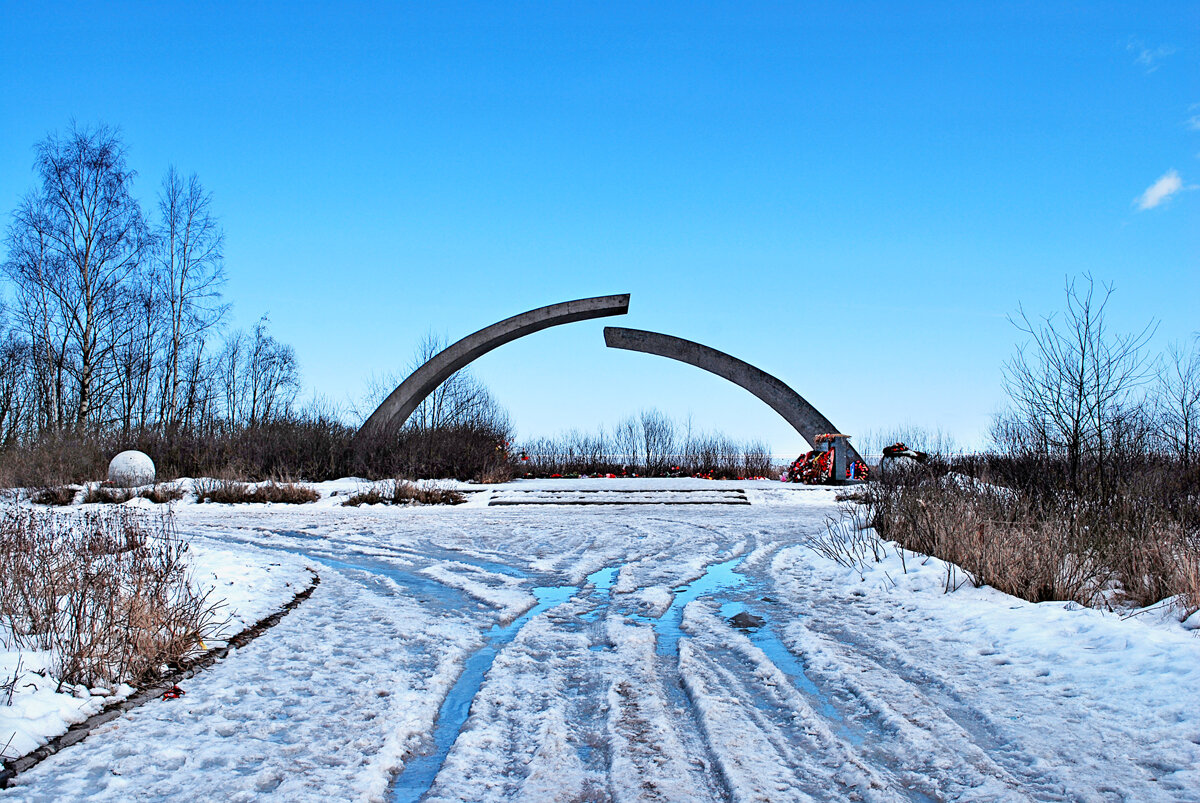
(79, 731)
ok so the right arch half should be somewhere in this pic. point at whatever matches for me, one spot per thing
(803, 417)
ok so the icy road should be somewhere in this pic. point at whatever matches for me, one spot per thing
(643, 652)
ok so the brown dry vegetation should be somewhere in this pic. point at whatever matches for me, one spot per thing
(58, 497)
(107, 495)
(106, 592)
(1093, 491)
(223, 491)
(1016, 527)
(400, 492)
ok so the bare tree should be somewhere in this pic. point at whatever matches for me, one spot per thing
(30, 267)
(190, 270)
(73, 244)
(658, 439)
(200, 406)
(259, 377)
(1071, 383)
(1178, 402)
(272, 377)
(15, 385)
(136, 340)
(229, 375)
(460, 400)
(627, 440)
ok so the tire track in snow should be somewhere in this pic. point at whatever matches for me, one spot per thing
(772, 743)
(919, 707)
(923, 746)
(517, 734)
(656, 752)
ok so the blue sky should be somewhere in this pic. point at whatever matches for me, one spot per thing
(851, 199)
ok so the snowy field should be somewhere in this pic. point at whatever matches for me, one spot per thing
(678, 652)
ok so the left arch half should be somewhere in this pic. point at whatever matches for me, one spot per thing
(402, 401)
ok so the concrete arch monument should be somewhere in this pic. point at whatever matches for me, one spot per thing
(803, 417)
(402, 401)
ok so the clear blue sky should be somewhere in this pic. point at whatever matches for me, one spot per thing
(852, 200)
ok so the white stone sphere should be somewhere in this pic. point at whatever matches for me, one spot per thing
(130, 469)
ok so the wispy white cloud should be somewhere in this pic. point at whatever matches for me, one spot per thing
(1161, 191)
(1149, 57)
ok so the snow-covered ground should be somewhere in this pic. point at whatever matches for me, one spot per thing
(648, 652)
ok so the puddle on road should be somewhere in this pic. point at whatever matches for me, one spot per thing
(420, 771)
(602, 582)
(720, 577)
(604, 579)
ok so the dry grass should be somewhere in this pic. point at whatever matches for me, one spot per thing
(105, 592)
(1186, 581)
(231, 492)
(313, 448)
(285, 493)
(60, 496)
(401, 492)
(222, 491)
(161, 494)
(108, 495)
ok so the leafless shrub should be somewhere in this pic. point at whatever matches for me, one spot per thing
(1133, 545)
(400, 492)
(106, 592)
(997, 539)
(373, 495)
(459, 451)
(650, 444)
(105, 495)
(108, 495)
(497, 474)
(848, 541)
(314, 448)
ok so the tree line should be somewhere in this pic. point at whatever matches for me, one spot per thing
(114, 321)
